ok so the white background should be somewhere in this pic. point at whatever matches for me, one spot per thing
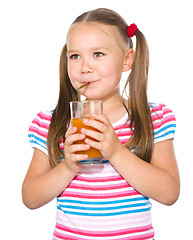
(32, 36)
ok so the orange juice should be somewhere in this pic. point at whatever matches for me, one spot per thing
(91, 152)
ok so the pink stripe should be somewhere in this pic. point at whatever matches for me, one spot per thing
(99, 196)
(157, 125)
(45, 116)
(105, 233)
(142, 237)
(121, 126)
(125, 133)
(158, 119)
(99, 187)
(40, 124)
(65, 237)
(98, 179)
(166, 110)
(162, 121)
(158, 108)
(123, 141)
(39, 132)
(169, 119)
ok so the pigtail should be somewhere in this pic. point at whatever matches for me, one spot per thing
(61, 115)
(139, 110)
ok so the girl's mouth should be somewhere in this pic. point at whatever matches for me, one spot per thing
(91, 83)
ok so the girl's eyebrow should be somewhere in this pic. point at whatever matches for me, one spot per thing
(99, 48)
(71, 51)
(91, 49)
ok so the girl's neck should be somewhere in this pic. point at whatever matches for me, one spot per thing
(113, 108)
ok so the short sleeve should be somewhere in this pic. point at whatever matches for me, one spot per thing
(38, 131)
(164, 122)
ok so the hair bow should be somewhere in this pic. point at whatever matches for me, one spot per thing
(131, 30)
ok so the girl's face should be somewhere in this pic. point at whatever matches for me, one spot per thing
(97, 54)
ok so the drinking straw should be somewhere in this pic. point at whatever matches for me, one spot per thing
(78, 90)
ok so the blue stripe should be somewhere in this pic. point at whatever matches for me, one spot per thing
(105, 161)
(102, 203)
(104, 208)
(172, 132)
(36, 144)
(93, 161)
(165, 129)
(105, 214)
(36, 139)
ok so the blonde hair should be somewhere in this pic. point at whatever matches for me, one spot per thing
(138, 107)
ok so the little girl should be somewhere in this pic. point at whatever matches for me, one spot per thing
(109, 200)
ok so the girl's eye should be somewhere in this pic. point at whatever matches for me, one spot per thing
(98, 54)
(74, 56)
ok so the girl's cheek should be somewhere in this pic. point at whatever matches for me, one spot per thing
(72, 77)
(74, 83)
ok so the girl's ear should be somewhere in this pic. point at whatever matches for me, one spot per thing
(129, 58)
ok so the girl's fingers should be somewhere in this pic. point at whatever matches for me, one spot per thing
(70, 139)
(72, 148)
(93, 134)
(93, 144)
(99, 129)
(73, 152)
(99, 122)
(78, 147)
(78, 157)
(102, 118)
(70, 131)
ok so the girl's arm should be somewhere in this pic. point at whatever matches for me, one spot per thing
(158, 180)
(43, 183)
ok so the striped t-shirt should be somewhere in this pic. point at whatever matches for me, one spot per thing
(99, 203)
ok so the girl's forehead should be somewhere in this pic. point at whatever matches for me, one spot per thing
(88, 29)
(83, 28)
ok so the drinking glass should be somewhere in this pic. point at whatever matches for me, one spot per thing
(79, 111)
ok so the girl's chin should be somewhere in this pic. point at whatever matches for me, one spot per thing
(91, 98)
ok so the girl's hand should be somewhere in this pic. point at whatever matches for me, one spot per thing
(71, 158)
(107, 141)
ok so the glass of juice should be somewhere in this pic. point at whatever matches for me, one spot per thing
(79, 111)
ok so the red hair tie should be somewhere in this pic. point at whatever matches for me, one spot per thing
(131, 30)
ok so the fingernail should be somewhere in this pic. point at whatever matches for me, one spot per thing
(83, 130)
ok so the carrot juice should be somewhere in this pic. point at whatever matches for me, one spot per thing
(91, 152)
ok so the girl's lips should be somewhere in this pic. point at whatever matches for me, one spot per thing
(91, 83)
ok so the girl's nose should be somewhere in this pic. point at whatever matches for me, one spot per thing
(87, 67)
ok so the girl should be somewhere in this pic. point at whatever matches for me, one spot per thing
(108, 200)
